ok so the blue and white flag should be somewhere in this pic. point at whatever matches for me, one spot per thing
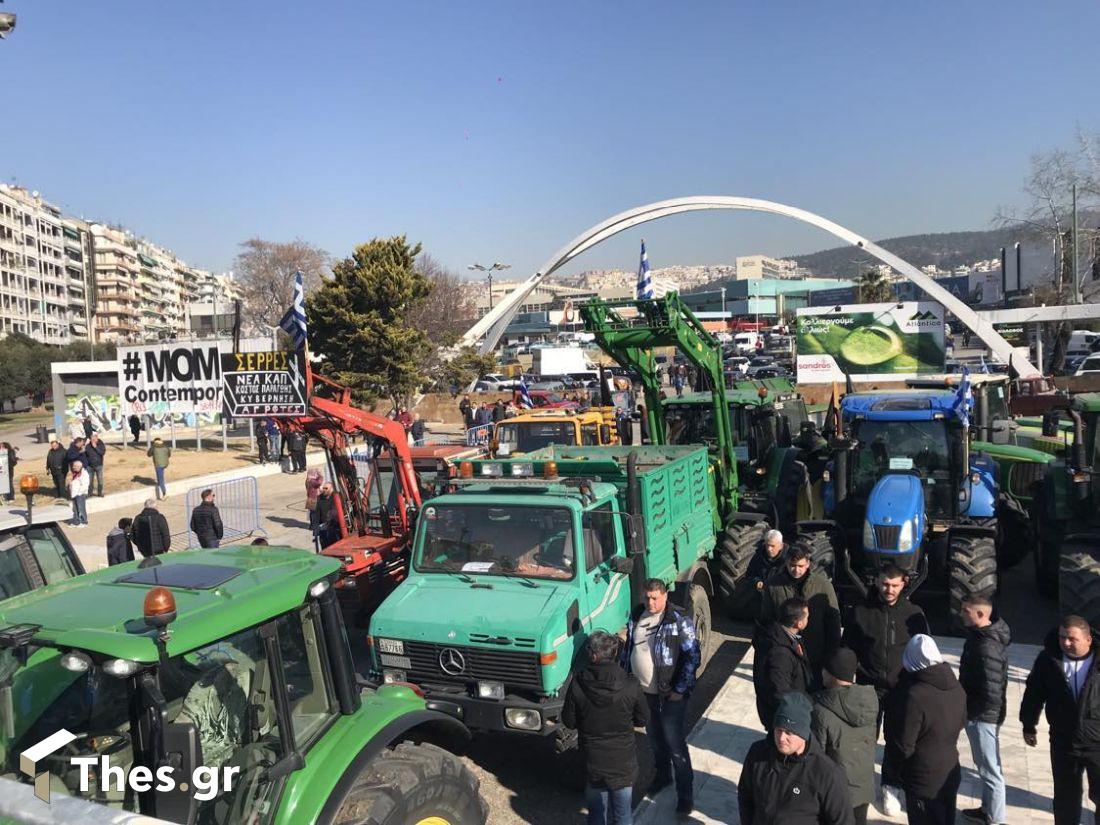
(964, 399)
(525, 402)
(644, 291)
(294, 319)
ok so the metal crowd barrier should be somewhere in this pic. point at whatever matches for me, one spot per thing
(238, 502)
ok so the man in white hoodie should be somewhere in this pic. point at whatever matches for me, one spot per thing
(79, 484)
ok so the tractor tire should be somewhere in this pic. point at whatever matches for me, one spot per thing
(822, 550)
(1079, 583)
(736, 547)
(412, 783)
(697, 605)
(972, 568)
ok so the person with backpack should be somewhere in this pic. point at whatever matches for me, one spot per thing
(150, 531)
(604, 704)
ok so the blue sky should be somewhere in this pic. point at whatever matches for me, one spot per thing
(498, 131)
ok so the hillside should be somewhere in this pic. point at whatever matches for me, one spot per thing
(946, 250)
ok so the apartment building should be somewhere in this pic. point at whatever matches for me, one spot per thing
(750, 267)
(38, 265)
(118, 300)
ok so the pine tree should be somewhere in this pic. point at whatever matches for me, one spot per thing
(358, 320)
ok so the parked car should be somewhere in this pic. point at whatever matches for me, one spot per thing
(736, 364)
(1090, 366)
(760, 362)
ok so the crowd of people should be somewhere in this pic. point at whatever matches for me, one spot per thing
(827, 687)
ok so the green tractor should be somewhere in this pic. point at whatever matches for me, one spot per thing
(226, 675)
(759, 475)
(1067, 514)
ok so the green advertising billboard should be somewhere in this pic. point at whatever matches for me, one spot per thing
(870, 342)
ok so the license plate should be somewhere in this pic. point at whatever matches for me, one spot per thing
(391, 646)
(403, 662)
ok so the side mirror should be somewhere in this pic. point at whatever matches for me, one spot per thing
(1001, 430)
(621, 564)
(182, 753)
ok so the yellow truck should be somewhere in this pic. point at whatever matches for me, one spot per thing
(534, 429)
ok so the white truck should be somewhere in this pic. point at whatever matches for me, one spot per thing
(559, 361)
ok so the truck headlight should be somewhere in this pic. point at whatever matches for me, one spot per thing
(490, 690)
(522, 718)
(905, 539)
(868, 536)
(391, 676)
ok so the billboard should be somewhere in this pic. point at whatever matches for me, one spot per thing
(169, 378)
(259, 384)
(870, 342)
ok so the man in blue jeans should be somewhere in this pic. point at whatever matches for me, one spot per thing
(983, 673)
(662, 652)
(604, 704)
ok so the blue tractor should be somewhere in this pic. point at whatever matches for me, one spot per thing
(903, 487)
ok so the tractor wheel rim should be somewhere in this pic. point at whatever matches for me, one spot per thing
(433, 820)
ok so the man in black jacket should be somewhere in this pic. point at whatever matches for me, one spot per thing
(765, 563)
(787, 779)
(927, 712)
(75, 453)
(878, 631)
(119, 548)
(296, 445)
(328, 526)
(150, 531)
(95, 451)
(1064, 681)
(206, 521)
(781, 665)
(604, 704)
(55, 466)
(799, 578)
(983, 673)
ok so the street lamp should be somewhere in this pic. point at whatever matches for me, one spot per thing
(489, 271)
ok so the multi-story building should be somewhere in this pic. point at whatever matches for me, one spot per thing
(34, 279)
(118, 299)
(80, 275)
(761, 266)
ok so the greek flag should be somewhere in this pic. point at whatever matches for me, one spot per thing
(645, 283)
(525, 402)
(294, 320)
(964, 399)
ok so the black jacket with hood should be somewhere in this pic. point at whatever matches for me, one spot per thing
(822, 634)
(983, 672)
(924, 718)
(119, 548)
(878, 633)
(778, 668)
(604, 704)
(150, 532)
(809, 789)
(1074, 725)
(844, 723)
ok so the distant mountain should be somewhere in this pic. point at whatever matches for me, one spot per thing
(945, 250)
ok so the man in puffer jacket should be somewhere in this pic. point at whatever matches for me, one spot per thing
(927, 713)
(604, 704)
(844, 724)
(780, 665)
(787, 778)
(983, 673)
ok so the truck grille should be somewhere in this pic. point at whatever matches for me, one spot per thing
(513, 668)
(886, 536)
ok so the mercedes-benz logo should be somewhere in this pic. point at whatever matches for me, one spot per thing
(451, 661)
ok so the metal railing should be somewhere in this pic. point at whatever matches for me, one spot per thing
(238, 503)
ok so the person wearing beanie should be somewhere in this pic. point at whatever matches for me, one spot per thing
(781, 665)
(787, 779)
(844, 725)
(926, 714)
(1063, 680)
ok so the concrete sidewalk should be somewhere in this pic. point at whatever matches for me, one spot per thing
(723, 735)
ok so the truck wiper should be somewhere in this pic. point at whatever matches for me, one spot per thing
(508, 568)
(458, 574)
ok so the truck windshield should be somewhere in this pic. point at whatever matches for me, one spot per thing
(535, 542)
(694, 424)
(525, 436)
(901, 445)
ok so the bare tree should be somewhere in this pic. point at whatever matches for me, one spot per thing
(448, 310)
(265, 271)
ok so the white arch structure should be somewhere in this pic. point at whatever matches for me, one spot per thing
(492, 326)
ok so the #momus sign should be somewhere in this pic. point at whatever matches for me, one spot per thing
(210, 377)
(869, 342)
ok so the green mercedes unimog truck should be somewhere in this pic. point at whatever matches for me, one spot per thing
(217, 686)
(524, 558)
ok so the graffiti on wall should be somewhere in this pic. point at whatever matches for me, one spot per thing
(106, 413)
